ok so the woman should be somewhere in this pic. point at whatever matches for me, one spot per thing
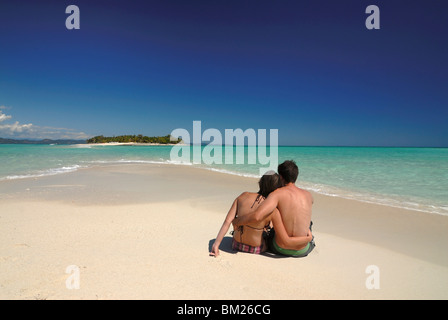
(249, 238)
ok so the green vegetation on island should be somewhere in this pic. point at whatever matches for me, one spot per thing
(134, 139)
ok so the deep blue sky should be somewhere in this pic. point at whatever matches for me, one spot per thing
(308, 68)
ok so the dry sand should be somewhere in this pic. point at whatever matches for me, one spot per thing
(144, 232)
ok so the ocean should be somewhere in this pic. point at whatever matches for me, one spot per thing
(411, 178)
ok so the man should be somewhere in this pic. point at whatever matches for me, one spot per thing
(294, 205)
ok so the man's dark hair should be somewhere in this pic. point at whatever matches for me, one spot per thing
(288, 171)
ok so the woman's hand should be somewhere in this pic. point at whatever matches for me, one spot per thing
(309, 236)
(215, 250)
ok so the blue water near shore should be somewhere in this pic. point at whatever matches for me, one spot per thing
(413, 178)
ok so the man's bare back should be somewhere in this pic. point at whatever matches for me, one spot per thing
(295, 206)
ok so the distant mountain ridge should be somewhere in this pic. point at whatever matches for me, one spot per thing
(42, 141)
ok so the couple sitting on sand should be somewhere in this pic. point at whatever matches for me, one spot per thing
(280, 204)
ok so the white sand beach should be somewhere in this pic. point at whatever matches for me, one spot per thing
(144, 232)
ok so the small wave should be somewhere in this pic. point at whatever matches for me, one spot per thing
(179, 163)
(375, 199)
(138, 161)
(87, 146)
(155, 162)
(43, 173)
(234, 173)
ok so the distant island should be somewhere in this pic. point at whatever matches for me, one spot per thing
(134, 139)
(126, 139)
(42, 141)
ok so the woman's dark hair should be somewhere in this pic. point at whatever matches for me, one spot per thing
(289, 171)
(269, 182)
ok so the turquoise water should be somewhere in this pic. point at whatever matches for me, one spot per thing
(415, 178)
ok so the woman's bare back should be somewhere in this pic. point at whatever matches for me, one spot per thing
(251, 234)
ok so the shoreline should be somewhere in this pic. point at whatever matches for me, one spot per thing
(329, 191)
(147, 226)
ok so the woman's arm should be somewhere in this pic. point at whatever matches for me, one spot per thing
(224, 228)
(282, 237)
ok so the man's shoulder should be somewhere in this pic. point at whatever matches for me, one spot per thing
(305, 191)
(307, 194)
(298, 191)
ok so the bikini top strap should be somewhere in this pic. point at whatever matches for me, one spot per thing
(258, 199)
